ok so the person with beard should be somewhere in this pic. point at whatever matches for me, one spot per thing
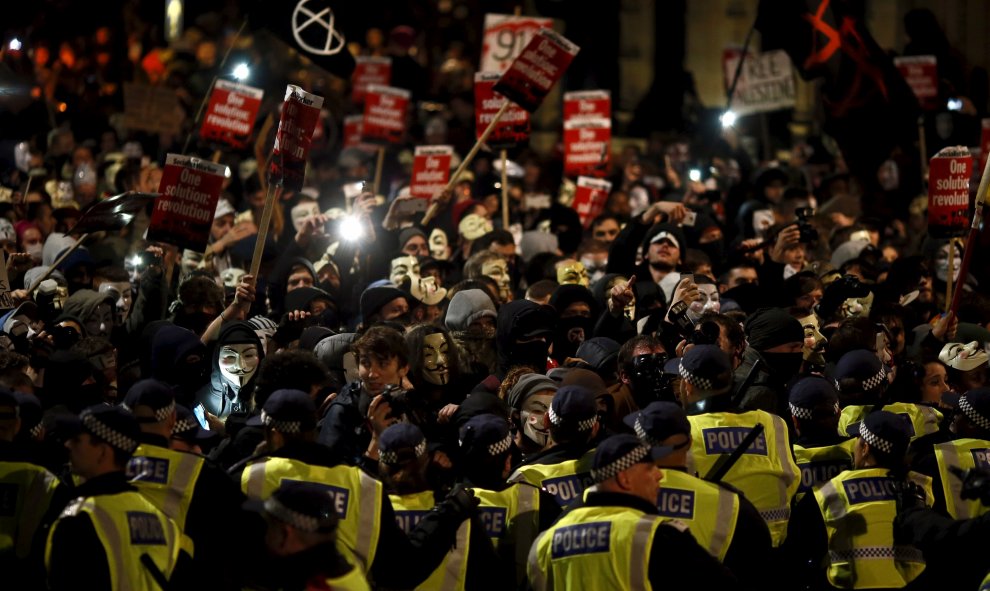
(522, 335)
(661, 253)
(563, 468)
(771, 360)
(768, 478)
(403, 465)
(236, 357)
(513, 513)
(470, 319)
(577, 312)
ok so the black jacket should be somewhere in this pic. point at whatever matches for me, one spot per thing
(343, 428)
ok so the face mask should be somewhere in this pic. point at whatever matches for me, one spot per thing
(532, 354)
(649, 382)
(438, 245)
(35, 251)
(537, 434)
(573, 274)
(498, 270)
(403, 267)
(568, 336)
(783, 366)
(238, 362)
(942, 264)
(435, 369)
(303, 212)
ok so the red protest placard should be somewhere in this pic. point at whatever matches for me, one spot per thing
(948, 192)
(505, 37)
(921, 74)
(540, 65)
(353, 125)
(300, 113)
(587, 146)
(588, 103)
(512, 127)
(590, 197)
(385, 114)
(431, 170)
(369, 70)
(183, 213)
(231, 113)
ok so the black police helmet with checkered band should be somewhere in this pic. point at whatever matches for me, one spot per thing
(287, 411)
(400, 443)
(307, 506)
(618, 453)
(974, 405)
(860, 370)
(187, 427)
(151, 401)
(706, 367)
(485, 435)
(885, 432)
(573, 408)
(114, 425)
(658, 421)
(813, 397)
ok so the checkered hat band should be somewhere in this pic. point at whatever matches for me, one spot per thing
(184, 425)
(558, 420)
(115, 439)
(36, 430)
(293, 518)
(875, 441)
(392, 456)
(281, 426)
(500, 447)
(875, 382)
(801, 413)
(971, 414)
(624, 463)
(163, 413)
(694, 380)
(642, 434)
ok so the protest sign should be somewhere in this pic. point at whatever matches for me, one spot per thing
(154, 109)
(540, 65)
(921, 74)
(588, 103)
(948, 192)
(385, 114)
(505, 37)
(431, 170)
(369, 70)
(183, 213)
(766, 82)
(587, 146)
(590, 197)
(231, 113)
(353, 126)
(300, 112)
(512, 127)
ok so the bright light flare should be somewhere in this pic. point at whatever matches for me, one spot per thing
(351, 228)
(15, 44)
(241, 71)
(728, 118)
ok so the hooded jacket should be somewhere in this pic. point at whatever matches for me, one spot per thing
(83, 303)
(171, 349)
(468, 306)
(521, 319)
(219, 396)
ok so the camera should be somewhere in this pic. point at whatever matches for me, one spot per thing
(397, 399)
(707, 333)
(679, 318)
(809, 234)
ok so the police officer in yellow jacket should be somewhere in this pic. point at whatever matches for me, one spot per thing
(847, 524)
(766, 472)
(820, 452)
(367, 535)
(723, 521)
(969, 448)
(564, 468)
(617, 540)
(194, 492)
(102, 537)
(301, 525)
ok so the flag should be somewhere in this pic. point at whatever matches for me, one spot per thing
(314, 28)
(869, 109)
(113, 213)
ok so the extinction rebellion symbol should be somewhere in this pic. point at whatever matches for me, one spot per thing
(322, 21)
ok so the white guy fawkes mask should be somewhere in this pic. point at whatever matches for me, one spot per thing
(232, 277)
(402, 267)
(238, 362)
(498, 270)
(435, 368)
(942, 263)
(814, 340)
(304, 211)
(439, 248)
(474, 226)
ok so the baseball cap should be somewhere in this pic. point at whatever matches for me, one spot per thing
(598, 352)
(573, 407)
(885, 431)
(658, 421)
(863, 368)
(400, 443)
(621, 452)
(151, 401)
(113, 424)
(287, 411)
(813, 397)
(974, 405)
(485, 434)
(706, 367)
(307, 506)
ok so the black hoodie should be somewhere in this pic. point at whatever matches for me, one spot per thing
(521, 319)
(219, 396)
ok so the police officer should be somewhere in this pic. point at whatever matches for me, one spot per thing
(512, 513)
(847, 523)
(820, 452)
(368, 534)
(722, 521)
(766, 472)
(102, 537)
(403, 462)
(195, 493)
(301, 522)
(563, 469)
(969, 448)
(28, 492)
(617, 540)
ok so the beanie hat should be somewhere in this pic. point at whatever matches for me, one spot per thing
(770, 327)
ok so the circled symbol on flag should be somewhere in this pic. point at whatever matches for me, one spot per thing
(303, 19)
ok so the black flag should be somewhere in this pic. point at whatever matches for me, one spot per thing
(113, 213)
(314, 28)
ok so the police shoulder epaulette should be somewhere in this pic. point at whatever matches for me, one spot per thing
(676, 524)
(72, 509)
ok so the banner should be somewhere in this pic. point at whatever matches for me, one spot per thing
(431, 170)
(587, 146)
(513, 126)
(540, 65)
(300, 112)
(113, 213)
(765, 84)
(948, 192)
(588, 103)
(231, 113)
(505, 37)
(385, 114)
(353, 126)
(921, 74)
(154, 109)
(183, 213)
(590, 197)
(369, 70)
